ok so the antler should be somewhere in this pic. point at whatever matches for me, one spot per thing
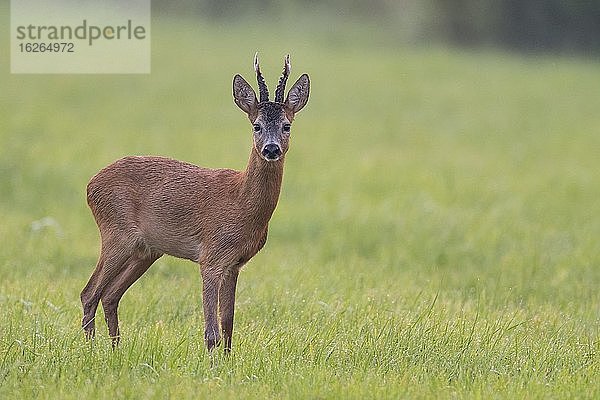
(262, 86)
(280, 91)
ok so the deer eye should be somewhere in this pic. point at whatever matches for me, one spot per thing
(286, 128)
(256, 128)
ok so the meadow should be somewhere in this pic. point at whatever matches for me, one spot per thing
(436, 236)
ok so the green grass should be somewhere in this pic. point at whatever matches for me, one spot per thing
(437, 234)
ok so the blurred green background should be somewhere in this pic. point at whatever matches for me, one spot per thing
(437, 232)
(529, 25)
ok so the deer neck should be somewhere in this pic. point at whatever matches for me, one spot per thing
(261, 185)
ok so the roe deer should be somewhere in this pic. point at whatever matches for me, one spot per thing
(149, 206)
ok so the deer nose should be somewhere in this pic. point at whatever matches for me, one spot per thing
(271, 152)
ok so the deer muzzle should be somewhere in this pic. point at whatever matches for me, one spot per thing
(271, 152)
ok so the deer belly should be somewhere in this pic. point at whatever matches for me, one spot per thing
(177, 246)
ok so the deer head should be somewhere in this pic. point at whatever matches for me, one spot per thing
(271, 120)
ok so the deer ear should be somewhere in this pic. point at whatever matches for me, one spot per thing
(298, 95)
(244, 95)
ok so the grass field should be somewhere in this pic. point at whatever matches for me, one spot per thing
(436, 237)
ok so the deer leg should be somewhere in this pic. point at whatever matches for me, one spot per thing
(115, 289)
(227, 305)
(88, 304)
(211, 279)
(109, 265)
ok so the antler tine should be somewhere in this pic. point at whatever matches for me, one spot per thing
(280, 91)
(262, 86)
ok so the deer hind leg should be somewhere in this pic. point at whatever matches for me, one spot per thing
(89, 303)
(111, 261)
(134, 268)
(227, 305)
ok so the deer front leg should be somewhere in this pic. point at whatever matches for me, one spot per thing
(227, 305)
(211, 278)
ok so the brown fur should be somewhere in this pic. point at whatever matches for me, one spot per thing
(149, 206)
